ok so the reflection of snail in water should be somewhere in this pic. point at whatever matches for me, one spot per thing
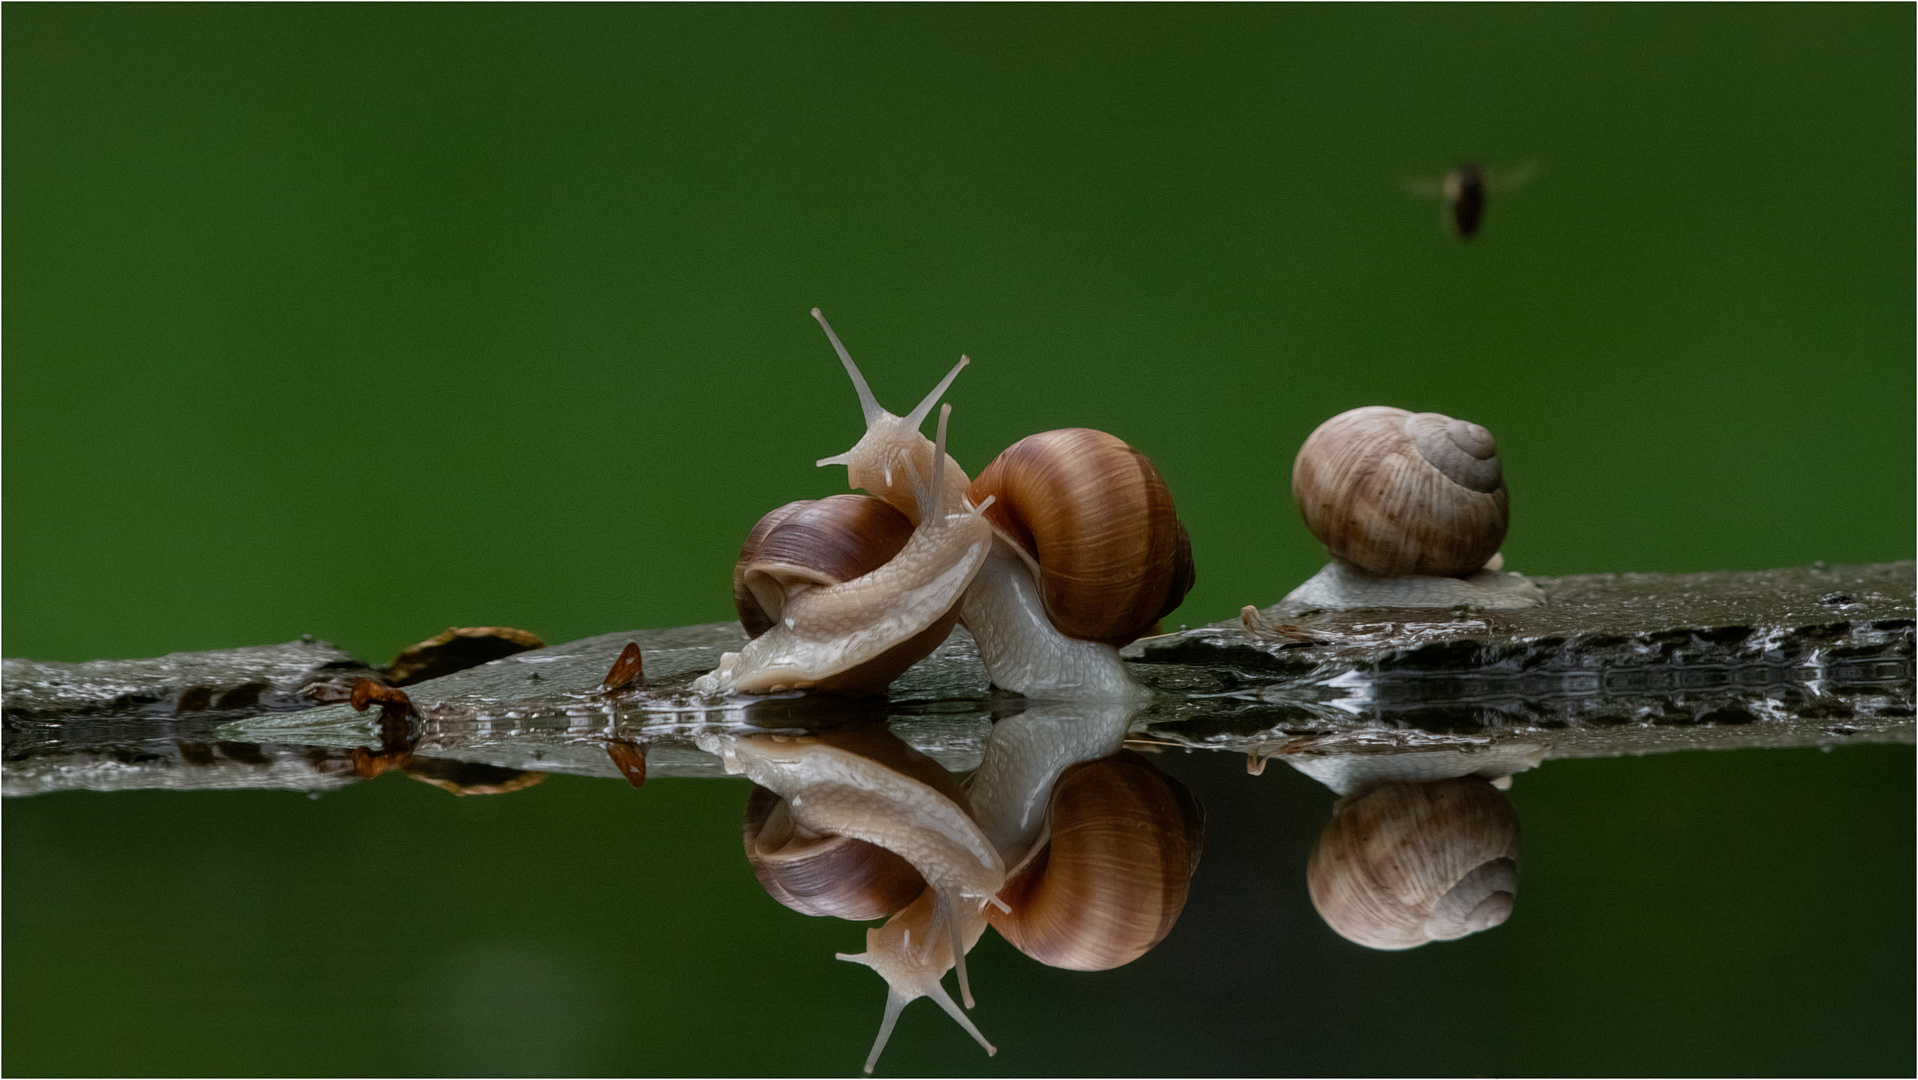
(845, 800)
(1407, 862)
(1064, 548)
(1412, 507)
(854, 823)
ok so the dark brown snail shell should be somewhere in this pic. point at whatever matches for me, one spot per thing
(812, 541)
(830, 875)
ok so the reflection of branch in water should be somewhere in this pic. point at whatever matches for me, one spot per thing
(629, 758)
(399, 737)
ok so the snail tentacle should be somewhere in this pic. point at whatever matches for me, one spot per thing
(909, 975)
(892, 445)
(868, 405)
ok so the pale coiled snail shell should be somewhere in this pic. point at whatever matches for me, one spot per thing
(813, 542)
(1094, 520)
(1409, 862)
(1111, 879)
(1399, 493)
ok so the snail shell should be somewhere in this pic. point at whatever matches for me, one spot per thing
(1094, 521)
(1111, 880)
(1397, 493)
(1409, 862)
(812, 542)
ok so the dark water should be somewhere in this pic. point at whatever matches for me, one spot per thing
(368, 321)
(1698, 913)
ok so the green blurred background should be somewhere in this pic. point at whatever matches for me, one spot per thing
(367, 321)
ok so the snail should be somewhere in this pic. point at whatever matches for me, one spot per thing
(1412, 508)
(1088, 552)
(1407, 862)
(867, 787)
(1101, 843)
(822, 630)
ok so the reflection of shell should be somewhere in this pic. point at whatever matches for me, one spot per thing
(824, 875)
(1397, 493)
(838, 875)
(1111, 880)
(1405, 863)
(1096, 519)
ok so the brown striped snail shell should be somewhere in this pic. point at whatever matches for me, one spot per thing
(1409, 862)
(812, 542)
(1094, 521)
(832, 875)
(1110, 880)
(1400, 493)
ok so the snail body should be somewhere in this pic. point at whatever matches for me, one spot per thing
(812, 542)
(1352, 773)
(1404, 863)
(892, 460)
(912, 965)
(834, 790)
(1412, 507)
(1025, 754)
